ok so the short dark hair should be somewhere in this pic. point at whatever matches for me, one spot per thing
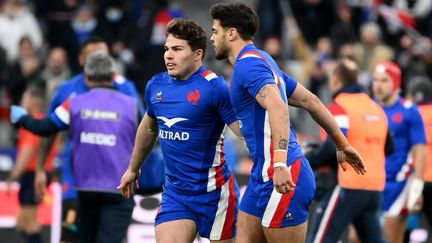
(91, 40)
(420, 87)
(236, 15)
(345, 72)
(36, 91)
(190, 31)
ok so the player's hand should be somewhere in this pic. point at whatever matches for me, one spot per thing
(13, 177)
(415, 193)
(352, 157)
(9, 186)
(282, 180)
(128, 181)
(16, 112)
(40, 183)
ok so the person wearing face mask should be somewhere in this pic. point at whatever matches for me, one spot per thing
(117, 29)
(84, 23)
(113, 14)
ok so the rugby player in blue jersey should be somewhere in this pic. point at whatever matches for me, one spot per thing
(404, 185)
(275, 205)
(187, 109)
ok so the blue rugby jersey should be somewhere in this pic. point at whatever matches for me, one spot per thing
(77, 85)
(407, 128)
(253, 69)
(191, 115)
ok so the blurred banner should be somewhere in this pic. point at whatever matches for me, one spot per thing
(49, 213)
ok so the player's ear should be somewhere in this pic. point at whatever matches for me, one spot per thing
(198, 54)
(232, 34)
(87, 80)
(86, 77)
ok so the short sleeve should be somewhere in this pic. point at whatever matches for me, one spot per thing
(416, 127)
(253, 73)
(61, 115)
(147, 97)
(290, 85)
(57, 99)
(222, 101)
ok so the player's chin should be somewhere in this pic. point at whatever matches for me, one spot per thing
(220, 56)
(172, 72)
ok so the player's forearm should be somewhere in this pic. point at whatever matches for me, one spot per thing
(45, 146)
(145, 139)
(42, 127)
(235, 128)
(420, 156)
(21, 163)
(279, 126)
(269, 98)
(305, 99)
(325, 119)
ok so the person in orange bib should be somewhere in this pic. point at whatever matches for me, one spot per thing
(356, 199)
(420, 92)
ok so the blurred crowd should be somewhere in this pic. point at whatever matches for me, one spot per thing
(40, 43)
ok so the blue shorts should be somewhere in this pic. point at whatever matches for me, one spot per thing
(26, 194)
(281, 210)
(395, 196)
(215, 212)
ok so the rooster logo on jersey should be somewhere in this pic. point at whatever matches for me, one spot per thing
(194, 97)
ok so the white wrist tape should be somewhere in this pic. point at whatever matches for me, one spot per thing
(415, 190)
(279, 164)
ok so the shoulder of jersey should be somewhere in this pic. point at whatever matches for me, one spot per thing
(71, 83)
(119, 79)
(251, 58)
(407, 103)
(253, 54)
(159, 77)
(210, 76)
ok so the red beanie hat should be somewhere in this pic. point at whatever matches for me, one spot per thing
(393, 70)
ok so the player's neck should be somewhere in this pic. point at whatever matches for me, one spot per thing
(236, 48)
(35, 109)
(189, 73)
(391, 100)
